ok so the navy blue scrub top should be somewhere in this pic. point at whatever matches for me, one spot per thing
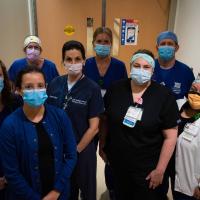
(81, 103)
(116, 71)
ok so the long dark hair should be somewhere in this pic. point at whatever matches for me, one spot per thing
(6, 92)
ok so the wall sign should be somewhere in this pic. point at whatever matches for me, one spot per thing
(129, 32)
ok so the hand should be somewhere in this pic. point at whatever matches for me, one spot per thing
(197, 193)
(155, 178)
(2, 183)
(52, 195)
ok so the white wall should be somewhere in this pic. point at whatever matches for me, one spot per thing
(187, 27)
(14, 27)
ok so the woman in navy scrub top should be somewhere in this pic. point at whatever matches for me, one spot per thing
(81, 98)
(103, 68)
(141, 131)
(37, 144)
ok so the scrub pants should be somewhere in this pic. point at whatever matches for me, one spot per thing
(181, 196)
(84, 175)
(134, 186)
(109, 180)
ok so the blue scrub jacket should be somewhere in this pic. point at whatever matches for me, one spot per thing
(19, 152)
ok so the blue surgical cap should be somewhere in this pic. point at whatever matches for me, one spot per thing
(167, 35)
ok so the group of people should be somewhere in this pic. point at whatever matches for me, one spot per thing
(50, 125)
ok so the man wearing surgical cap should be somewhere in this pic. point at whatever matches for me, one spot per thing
(32, 49)
(175, 75)
(170, 72)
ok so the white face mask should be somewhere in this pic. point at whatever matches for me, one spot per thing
(74, 69)
(140, 76)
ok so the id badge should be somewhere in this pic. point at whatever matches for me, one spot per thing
(191, 129)
(129, 122)
(187, 136)
(132, 115)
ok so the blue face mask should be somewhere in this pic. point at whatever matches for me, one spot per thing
(102, 50)
(35, 98)
(166, 53)
(1, 84)
(140, 76)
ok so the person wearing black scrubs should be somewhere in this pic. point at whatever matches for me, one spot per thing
(81, 98)
(140, 131)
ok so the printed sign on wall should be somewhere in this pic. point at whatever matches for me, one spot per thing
(129, 32)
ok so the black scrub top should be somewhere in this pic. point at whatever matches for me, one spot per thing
(138, 148)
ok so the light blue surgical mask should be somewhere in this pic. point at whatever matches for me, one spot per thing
(140, 76)
(102, 50)
(166, 53)
(35, 98)
(1, 84)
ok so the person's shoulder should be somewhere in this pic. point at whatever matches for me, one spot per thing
(59, 80)
(161, 89)
(49, 63)
(13, 118)
(91, 59)
(117, 61)
(182, 65)
(89, 62)
(19, 62)
(120, 84)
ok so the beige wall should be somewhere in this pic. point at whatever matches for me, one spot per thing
(152, 16)
(53, 16)
(14, 27)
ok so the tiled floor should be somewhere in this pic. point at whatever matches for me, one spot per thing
(102, 194)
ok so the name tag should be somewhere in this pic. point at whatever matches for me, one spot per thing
(190, 131)
(132, 115)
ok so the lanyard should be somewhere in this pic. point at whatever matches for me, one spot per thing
(68, 96)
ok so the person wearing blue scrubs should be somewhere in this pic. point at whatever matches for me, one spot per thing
(104, 70)
(173, 74)
(8, 103)
(81, 98)
(37, 144)
(32, 50)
